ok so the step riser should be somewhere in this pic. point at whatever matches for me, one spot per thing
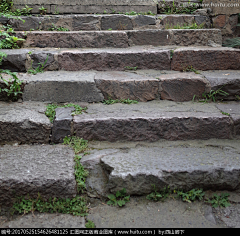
(97, 86)
(48, 170)
(202, 58)
(103, 22)
(123, 39)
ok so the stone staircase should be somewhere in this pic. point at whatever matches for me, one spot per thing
(122, 57)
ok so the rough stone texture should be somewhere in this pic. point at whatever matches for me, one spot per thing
(182, 87)
(45, 220)
(169, 21)
(30, 22)
(152, 121)
(24, 123)
(97, 179)
(200, 37)
(206, 58)
(143, 21)
(48, 170)
(233, 21)
(114, 59)
(228, 81)
(15, 60)
(230, 215)
(219, 21)
(178, 168)
(61, 86)
(86, 22)
(149, 37)
(116, 22)
(62, 124)
(234, 110)
(123, 85)
(83, 39)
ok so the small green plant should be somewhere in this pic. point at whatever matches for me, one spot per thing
(90, 224)
(212, 95)
(237, 97)
(171, 54)
(110, 29)
(132, 13)
(78, 144)
(120, 199)
(131, 68)
(54, 28)
(39, 69)
(104, 12)
(190, 69)
(75, 206)
(184, 26)
(43, 10)
(219, 201)
(233, 43)
(50, 111)
(225, 113)
(124, 101)
(191, 195)
(9, 41)
(161, 195)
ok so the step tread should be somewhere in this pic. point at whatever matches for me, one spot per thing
(29, 169)
(177, 165)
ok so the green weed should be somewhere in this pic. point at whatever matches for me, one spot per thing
(9, 41)
(50, 111)
(212, 95)
(185, 26)
(161, 195)
(78, 144)
(54, 28)
(225, 113)
(124, 101)
(191, 195)
(120, 199)
(90, 224)
(233, 43)
(190, 69)
(219, 201)
(43, 10)
(75, 206)
(39, 69)
(131, 68)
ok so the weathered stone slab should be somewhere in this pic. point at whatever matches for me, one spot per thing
(62, 124)
(177, 167)
(46, 220)
(24, 123)
(205, 58)
(182, 87)
(234, 110)
(228, 81)
(96, 39)
(61, 86)
(114, 59)
(123, 85)
(200, 37)
(150, 37)
(169, 21)
(151, 121)
(48, 170)
(116, 22)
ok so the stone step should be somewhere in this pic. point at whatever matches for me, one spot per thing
(121, 39)
(96, 22)
(140, 85)
(26, 123)
(142, 57)
(212, 165)
(33, 169)
(86, 6)
(95, 86)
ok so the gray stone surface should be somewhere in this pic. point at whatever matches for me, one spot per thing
(234, 110)
(226, 80)
(48, 170)
(123, 85)
(45, 220)
(61, 86)
(62, 124)
(84, 39)
(24, 123)
(141, 213)
(178, 168)
(182, 87)
(152, 121)
(206, 58)
(116, 22)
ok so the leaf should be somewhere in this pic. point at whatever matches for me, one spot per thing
(111, 197)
